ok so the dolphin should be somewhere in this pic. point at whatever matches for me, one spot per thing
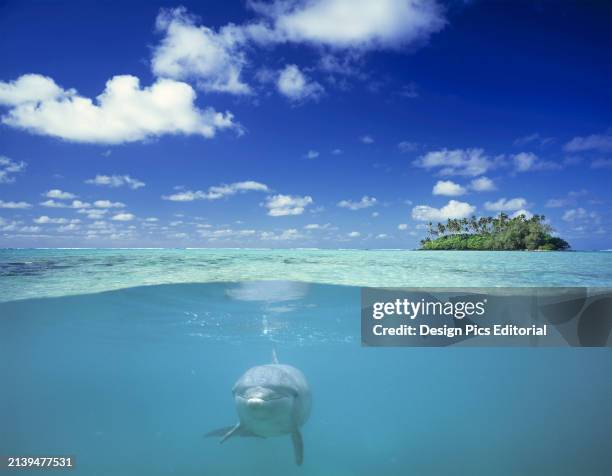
(271, 400)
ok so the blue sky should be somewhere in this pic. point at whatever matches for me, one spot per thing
(329, 123)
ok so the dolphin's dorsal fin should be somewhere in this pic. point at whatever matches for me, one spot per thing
(274, 358)
(298, 446)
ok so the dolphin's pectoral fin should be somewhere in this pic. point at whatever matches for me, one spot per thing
(298, 447)
(229, 431)
(225, 432)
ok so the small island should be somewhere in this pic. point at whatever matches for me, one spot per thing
(500, 233)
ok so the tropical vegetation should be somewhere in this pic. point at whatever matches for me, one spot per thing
(493, 233)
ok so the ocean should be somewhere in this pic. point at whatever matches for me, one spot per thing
(125, 359)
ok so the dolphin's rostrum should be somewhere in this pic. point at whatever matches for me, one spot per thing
(271, 400)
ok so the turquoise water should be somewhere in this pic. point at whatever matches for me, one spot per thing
(37, 273)
(130, 379)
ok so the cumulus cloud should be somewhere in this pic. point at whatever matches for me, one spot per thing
(59, 194)
(482, 184)
(285, 235)
(366, 139)
(365, 202)
(9, 167)
(580, 214)
(93, 213)
(296, 86)
(402, 226)
(14, 205)
(317, 226)
(311, 154)
(108, 204)
(528, 161)
(351, 24)
(123, 217)
(214, 59)
(340, 30)
(225, 234)
(44, 220)
(570, 199)
(29, 88)
(115, 181)
(74, 204)
(453, 209)
(593, 142)
(283, 205)
(354, 234)
(69, 227)
(448, 188)
(469, 162)
(506, 205)
(217, 192)
(123, 112)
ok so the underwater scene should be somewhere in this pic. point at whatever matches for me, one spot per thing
(125, 360)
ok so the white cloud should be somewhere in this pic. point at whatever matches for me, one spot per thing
(108, 204)
(59, 194)
(9, 167)
(93, 214)
(580, 214)
(283, 205)
(336, 152)
(453, 209)
(296, 86)
(124, 112)
(225, 233)
(151, 219)
(593, 142)
(382, 236)
(570, 199)
(44, 220)
(70, 227)
(311, 154)
(352, 24)
(290, 234)
(14, 205)
(506, 205)
(214, 59)
(402, 226)
(482, 184)
(29, 229)
(528, 161)
(116, 181)
(217, 192)
(316, 226)
(470, 162)
(354, 234)
(123, 217)
(74, 204)
(448, 188)
(367, 139)
(29, 88)
(365, 202)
